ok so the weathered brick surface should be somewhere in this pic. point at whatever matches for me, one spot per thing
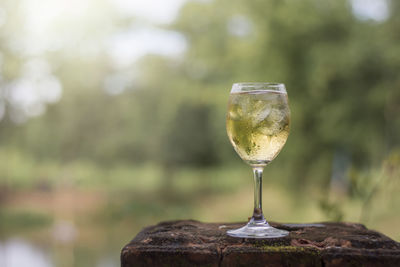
(192, 243)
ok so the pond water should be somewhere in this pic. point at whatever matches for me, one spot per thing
(19, 252)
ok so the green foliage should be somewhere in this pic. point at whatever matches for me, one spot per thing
(189, 139)
(341, 75)
(22, 220)
(165, 129)
(332, 210)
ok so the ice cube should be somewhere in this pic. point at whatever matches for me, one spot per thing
(261, 114)
(273, 124)
(236, 111)
(276, 115)
(245, 105)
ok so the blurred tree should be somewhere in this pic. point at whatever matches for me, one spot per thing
(340, 72)
(338, 83)
(190, 138)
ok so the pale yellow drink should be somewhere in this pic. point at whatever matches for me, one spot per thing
(258, 124)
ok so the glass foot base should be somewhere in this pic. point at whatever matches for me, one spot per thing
(252, 230)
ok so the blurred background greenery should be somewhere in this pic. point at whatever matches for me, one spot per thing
(112, 117)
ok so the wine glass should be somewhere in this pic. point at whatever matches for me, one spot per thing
(258, 125)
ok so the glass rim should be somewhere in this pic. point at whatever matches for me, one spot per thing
(258, 86)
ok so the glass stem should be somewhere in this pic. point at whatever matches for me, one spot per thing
(258, 216)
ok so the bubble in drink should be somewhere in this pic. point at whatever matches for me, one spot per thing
(258, 124)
